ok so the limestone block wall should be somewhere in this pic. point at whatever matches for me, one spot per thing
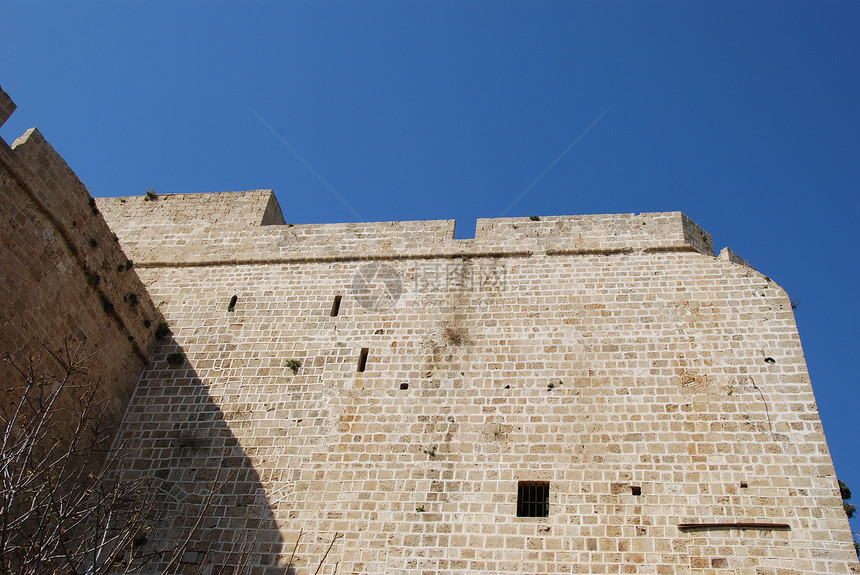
(597, 233)
(149, 215)
(370, 396)
(66, 284)
(661, 392)
(200, 242)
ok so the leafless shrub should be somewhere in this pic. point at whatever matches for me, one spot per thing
(63, 508)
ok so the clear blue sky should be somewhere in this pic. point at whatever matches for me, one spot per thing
(744, 115)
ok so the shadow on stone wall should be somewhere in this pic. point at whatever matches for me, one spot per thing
(176, 434)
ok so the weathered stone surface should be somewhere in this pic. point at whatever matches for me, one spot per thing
(598, 353)
(67, 287)
(650, 383)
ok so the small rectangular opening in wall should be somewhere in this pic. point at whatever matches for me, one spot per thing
(464, 231)
(232, 305)
(335, 307)
(404, 386)
(635, 490)
(533, 499)
(362, 359)
(744, 485)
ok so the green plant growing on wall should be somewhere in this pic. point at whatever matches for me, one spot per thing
(419, 509)
(846, 495)
(534, 218)
(150, 196)
(293, 364)
(175, 358)
(162, 331)
(850, 509)
(431, 452)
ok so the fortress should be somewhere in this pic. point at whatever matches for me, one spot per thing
(584, 394)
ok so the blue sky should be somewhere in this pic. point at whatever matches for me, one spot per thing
(743, 115)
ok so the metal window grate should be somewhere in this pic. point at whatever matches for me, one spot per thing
(533, 499)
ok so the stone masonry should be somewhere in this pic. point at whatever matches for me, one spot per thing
(67, 286)
(650, 384)
(372, 397)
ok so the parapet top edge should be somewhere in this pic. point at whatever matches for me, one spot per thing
(516, 219)
(178, 195)
(555, 217)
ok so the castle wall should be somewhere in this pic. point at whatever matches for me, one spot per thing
(151, 233)
(376, 392)
(150, 215)
(597, 353)
(62, 286)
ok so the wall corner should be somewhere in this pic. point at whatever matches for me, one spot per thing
(696, 237)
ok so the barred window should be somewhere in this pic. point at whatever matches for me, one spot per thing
(533, 499)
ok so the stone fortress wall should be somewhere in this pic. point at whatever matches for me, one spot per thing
(66, 283)
(165, 239)
(377, 392)
(659, 390)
